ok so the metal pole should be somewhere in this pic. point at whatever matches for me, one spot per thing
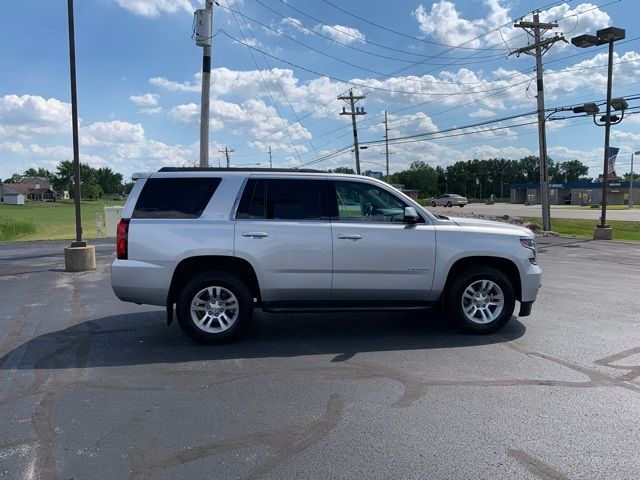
(386, 143)
(204, 100)
(270, 159)
(631, 184)
(607, 131)
(74, 121)
(542, 134)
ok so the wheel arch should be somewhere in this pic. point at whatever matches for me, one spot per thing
(506, 266)
(191, 266)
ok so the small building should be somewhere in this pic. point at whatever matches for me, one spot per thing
(39, 192)
(11, 196)
(413, 194)
(576, 193)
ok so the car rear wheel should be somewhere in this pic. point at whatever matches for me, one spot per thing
(481, 300)
(214, 307)
(433, 204)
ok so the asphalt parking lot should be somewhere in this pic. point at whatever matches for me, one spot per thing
(91, 387)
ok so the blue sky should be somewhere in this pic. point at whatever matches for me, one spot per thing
(432, 65)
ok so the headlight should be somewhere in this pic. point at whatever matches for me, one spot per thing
(530, 243)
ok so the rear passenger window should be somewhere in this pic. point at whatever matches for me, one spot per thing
(175, 197)
(281, 199)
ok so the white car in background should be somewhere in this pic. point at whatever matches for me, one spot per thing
(449, 200)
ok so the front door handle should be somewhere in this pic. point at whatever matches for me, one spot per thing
(255, 234)
(349, 236)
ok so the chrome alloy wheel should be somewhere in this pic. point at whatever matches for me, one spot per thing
(214, 309)
(482, 301)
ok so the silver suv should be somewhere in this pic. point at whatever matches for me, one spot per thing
(218, 243)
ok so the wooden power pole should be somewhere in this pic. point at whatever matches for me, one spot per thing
(540, 46)
(355, 111)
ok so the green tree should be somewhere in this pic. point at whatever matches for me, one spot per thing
(15, 178)
(419, 176)
(344, 170)
(108, 180)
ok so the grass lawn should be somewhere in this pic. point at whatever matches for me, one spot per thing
(584, 227)
(56, 220)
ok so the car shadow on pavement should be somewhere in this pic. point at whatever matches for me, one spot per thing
(143, 338)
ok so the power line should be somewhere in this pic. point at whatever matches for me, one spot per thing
(295, 114)
(284, 122)
(410, 36)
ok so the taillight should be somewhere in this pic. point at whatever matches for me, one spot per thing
(122, 239)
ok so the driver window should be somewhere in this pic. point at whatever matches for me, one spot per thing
(363, 202)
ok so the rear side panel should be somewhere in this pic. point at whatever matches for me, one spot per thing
(157, 245)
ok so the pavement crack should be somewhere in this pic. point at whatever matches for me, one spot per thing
(535, 466)
(284, 444)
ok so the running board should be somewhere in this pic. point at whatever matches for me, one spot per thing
(364, 306)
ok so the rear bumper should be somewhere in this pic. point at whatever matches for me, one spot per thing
(141, 282)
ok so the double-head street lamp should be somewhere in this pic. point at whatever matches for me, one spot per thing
(605, 36)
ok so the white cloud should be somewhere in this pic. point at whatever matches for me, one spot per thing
(33, 114)
(174, 86)
(145, 99)
(482, 113)
(113, 132)
(342, 34)
(151, 110)
(186, 113)
(153, 8)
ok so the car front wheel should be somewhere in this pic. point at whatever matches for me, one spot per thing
(433, 204)
(214, 307)
(481, 300)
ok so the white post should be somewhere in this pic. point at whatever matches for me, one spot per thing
(631, 183)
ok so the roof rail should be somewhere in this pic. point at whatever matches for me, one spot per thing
(218, 169)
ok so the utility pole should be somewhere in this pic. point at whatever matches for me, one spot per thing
(386, 143)
(226, 152)
(270, 158)
(203, 29)
(352, 99)
(540, 46)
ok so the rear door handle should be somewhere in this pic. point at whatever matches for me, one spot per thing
(349, 236)
(255, 234)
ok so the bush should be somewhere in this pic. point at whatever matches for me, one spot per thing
(12, 228)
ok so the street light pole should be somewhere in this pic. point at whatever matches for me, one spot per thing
(604, 36)
(74, 121)
(631, 181)
(607, 132)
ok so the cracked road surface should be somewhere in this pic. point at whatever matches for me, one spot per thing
(91, 387)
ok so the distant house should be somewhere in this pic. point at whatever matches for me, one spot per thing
(33, 188)
(11, 196)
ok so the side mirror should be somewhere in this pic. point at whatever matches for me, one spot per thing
(410, 215)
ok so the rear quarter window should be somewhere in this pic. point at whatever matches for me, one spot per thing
(175, 197)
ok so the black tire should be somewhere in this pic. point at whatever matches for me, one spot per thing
(433, 204)
(461, 206)
(228, 283)
(466, 278)
(449, 204)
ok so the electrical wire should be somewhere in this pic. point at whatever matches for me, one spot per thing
(295, 114)
(284, 122)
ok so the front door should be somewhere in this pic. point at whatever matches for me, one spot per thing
(376, 256)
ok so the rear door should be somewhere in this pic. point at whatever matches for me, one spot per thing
(376, 256)
(282, 232)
